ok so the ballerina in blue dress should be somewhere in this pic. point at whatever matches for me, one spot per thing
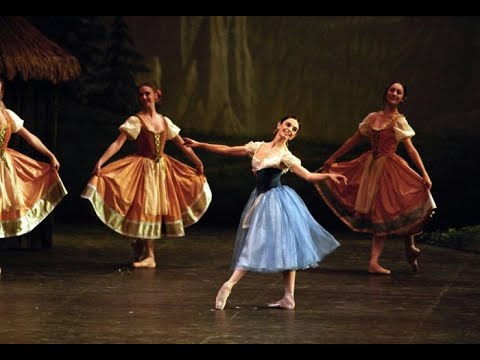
(276, 233)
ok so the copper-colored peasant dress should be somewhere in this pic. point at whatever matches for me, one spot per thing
(29, 189)
(384, 195)
(149, 193)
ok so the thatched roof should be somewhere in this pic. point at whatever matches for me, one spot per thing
(26, 52)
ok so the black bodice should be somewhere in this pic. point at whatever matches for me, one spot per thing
(268, 178)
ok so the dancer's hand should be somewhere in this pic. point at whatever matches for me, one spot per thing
(55, 163)
(427, 181)
(338, 179)
(199, 169)
(190, 143)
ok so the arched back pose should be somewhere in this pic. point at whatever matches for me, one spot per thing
(276, 233)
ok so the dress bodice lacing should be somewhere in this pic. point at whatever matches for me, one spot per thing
(151, 143)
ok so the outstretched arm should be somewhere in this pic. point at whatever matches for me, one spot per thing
(346, 147)
(38, 145)
(111, 150)
(189, 153)
(415, 156)
(217, 148)
(300, 171)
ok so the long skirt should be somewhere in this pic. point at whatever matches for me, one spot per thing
(277, 232)
(139, 197)
(29, 191)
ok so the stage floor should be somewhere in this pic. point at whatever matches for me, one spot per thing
(85, 291)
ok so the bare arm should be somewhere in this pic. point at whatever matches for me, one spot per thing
(217, 148)
(38, 145)
(346, 147)
(415, 156)
(300, 171)
(189, 153)
(111, 150)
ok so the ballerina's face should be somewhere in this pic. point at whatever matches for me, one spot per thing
(148, 96)
(288, 128)
(394, 95)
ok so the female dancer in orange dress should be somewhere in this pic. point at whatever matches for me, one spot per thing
(384, 195)
(29, 189)
(147, 193)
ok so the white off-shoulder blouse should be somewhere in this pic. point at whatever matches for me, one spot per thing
(133, 125)
(401, 127)
(284, 160)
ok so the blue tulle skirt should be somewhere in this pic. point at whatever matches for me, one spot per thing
(277, 232)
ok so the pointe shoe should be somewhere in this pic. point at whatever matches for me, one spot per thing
(148, 262)
(285, 303)
(222, 296)
(412, 253)
(378, 270)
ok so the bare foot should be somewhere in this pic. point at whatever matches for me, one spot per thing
(286, 303)
(138, 250)
(412, 253)
(148, 262)
(377, 269)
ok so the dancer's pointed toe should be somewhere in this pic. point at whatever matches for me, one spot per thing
(222, 296)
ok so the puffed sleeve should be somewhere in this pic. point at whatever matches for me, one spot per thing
(252, 147)
(364, 126)
(402, 129)
(173, 130)
(17, 121)
(131, 127)
(289, 160)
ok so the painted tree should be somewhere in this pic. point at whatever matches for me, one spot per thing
(122, 62)
(84, 37)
